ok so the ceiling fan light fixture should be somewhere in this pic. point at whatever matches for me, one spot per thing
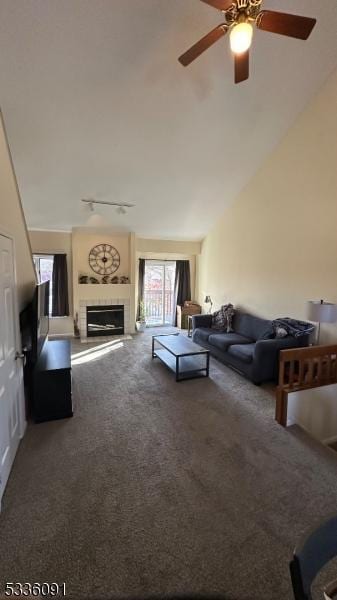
(241, 37)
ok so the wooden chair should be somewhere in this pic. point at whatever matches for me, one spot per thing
(303, 369)
(313, 552)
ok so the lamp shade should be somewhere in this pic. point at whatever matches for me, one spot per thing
(208, 300)
(322, 312)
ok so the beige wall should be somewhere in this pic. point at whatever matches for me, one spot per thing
(276, 246)
(52, 242)
(169, 250)
(83, 240)
(12, 223)
(167, 246)
(77, 246)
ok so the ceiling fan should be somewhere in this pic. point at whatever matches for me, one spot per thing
(240, 16)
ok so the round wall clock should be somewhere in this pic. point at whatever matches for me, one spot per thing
(104, 259)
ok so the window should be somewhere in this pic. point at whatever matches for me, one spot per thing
(44, 270)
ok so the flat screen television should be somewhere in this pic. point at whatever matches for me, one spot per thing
(40, 318)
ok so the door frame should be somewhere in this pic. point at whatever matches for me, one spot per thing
(162, 262)
(22, 413)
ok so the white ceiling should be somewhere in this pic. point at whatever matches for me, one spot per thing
(97, 105)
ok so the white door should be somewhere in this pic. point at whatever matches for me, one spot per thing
(11, 379)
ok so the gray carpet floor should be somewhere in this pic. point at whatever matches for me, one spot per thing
(161, 487)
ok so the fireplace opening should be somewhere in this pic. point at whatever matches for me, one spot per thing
(105, 320)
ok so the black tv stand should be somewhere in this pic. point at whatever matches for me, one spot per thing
(52, 396)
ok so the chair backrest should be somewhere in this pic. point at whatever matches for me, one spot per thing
(316, 550)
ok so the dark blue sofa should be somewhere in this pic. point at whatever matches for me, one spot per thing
(248, 349)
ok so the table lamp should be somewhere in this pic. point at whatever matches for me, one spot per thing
(321, 312)
(208, 300)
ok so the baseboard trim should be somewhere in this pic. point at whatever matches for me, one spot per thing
(57, 335)
(326, 442)
(330, 440)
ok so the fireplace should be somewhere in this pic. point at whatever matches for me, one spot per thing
(105, 320)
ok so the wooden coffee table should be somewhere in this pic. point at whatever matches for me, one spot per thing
(185, 358)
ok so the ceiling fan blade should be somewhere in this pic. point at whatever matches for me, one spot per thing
(241, 66)
(285, 24)
(219, 4)
(200, 47)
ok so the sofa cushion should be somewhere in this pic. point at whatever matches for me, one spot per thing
(243, 352)
(251, 326)
(223, 340)
(201, 334)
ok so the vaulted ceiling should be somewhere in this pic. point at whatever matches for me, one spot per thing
(97, 105)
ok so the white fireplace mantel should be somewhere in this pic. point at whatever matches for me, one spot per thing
(104, 290)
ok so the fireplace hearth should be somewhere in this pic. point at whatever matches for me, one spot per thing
(104, 320)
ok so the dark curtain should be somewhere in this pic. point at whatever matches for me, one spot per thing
(141, 277)
(182, 285)
(60, 302)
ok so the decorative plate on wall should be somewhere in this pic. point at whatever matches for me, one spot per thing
(104, 259)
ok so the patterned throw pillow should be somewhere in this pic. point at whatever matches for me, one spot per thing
(229, 312)
(219, 320)
(222, 318)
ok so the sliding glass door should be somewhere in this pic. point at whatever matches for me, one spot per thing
(158, 292)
